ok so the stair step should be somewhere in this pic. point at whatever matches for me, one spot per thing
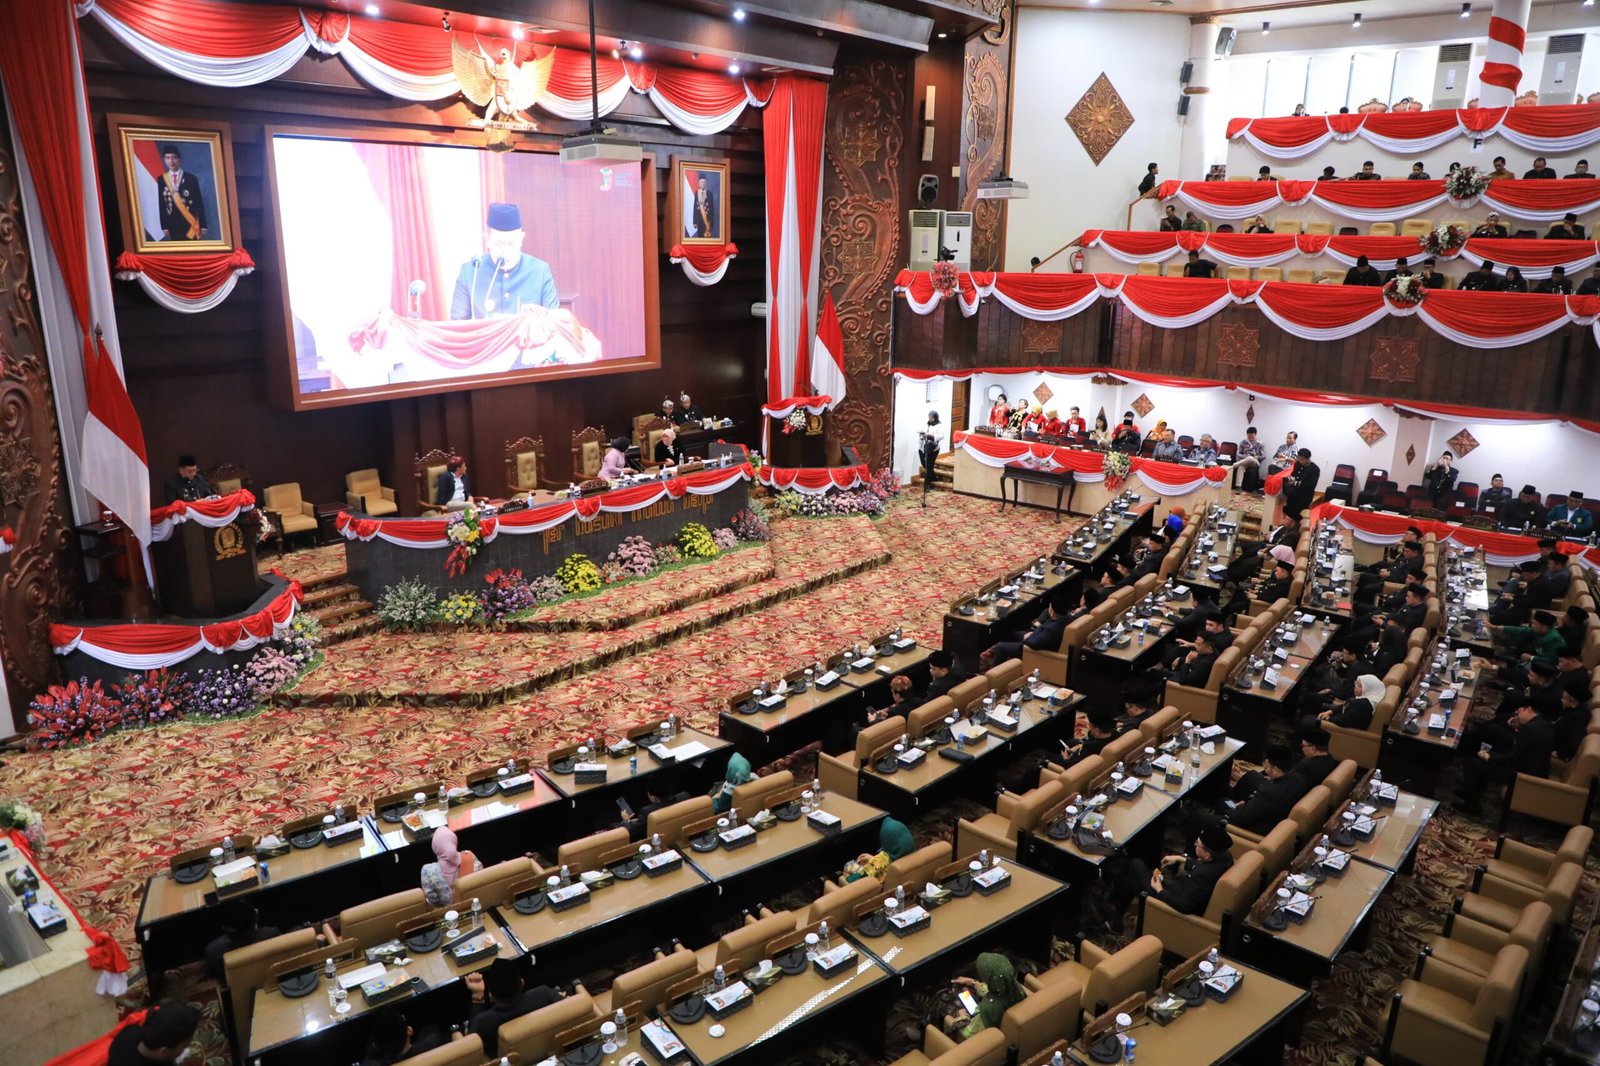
(351, 628)
(342, 610)
(325, 594)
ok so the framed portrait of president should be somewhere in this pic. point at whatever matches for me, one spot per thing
(174, 185)
(698, 202)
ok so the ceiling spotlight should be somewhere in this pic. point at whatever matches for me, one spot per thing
(1266, 27)
(372, 9)
(942, 35)
(518, 33)
(1466, 11)
(1355, 21)
(738, 14)
(733, 68)
(636, 52)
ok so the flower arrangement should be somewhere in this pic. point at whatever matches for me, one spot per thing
(465, 536)
(154, 697)
(303, 642)
(270, 670)
(225, 692)
(696, 542)
(1467, 183)
(460, 608)
(751, 523)
(946, 279)
(634, 557)
(546, 588)
(1444, 240)
(506, 593)
(407, 605)
(725, 539)
(795, 421)
(668, 554)
(885, 483)
(1117, 465)
(1405, 290)
(15, 814)
(71, 714)
(579, 574)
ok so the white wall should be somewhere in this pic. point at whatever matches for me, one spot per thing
(1547, 455)
(1059, 54)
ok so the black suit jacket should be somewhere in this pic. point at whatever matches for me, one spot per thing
(1300, 486)
(1536, 740)
(487, 1017)
(1189, 892)
(941, 686)
(446, 488)
(1410, 616)
(1196, 673)
(1270, 804)
(194, 488)
(1355, 714)
(1046, 636)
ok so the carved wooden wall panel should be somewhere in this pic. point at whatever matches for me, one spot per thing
(867, 102)
(39, 579)
(984, 106)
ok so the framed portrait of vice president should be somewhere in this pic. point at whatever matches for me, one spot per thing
(175, 185)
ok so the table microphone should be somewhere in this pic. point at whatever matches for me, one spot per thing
(414, 294)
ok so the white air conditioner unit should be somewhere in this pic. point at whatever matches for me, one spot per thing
(925, 225)
(1450, 77)
(1558, 83)
(957, 237)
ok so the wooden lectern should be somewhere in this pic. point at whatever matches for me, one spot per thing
(206, 573)
(800, 447)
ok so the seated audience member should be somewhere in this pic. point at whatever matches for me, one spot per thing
(1517, 597)
(1182, 882)
(945, 672)
(1572, 722)
(656, 797)
(1137, 708)
(1194, 222)
(1276, 584)
(997, 990)
(1491, 227)
(1074, 422)
(1199, 268)
(1299, 111)
(1366, 173)
(686, 410)
(1500, 170)
(1205, 452)
(163, 1036)
(1402, 269)
(439, 876)
(1252, 453)
(667, 451)
(1540, 169)
(1033, 419)
(1331, 681)
(1126, 439)
(1363, 273)
(188, 484)
(1102, 730)
(393, 1040)
(1417, 173)
(1431, 278)
(1407, 568)
(1044, 635)
(1481, 280)
(1100, 435)
(1513, 281)
(1524, 512)
(1285, 534)
(498, 997)
(1566, 230)
(1580, 170)
(1170, 222)
(1556, 283)
(1591, 284)
(1538, 641)
(1554, 581)
(1572, 517)
(1158, 432)
(1573, 627)
(1167, 448)
(1147, 183)
(1206, 619)
(1258, 225)
(1328, 174)
(615, 463)
(1440, 478)
(1496, 496)
(1495, 761)
(1284, 457)
(1356, 712)
(451, 491)
(738, 773)
(894, 842)
(1260, 801)
(1052, 425)
(240, 928)
(1265, 174)
(1194, 670)
(669, 411)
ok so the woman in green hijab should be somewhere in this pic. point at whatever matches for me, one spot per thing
(997, 989)
(738, 774)
(894, 842)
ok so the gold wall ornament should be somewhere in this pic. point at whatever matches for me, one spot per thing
(1100, 119)
(503, 87)
(227, 542)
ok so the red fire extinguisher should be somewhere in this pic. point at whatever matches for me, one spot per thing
(1077, 261)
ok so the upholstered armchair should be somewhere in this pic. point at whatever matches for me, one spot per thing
(1373, 106)
(532, 1037)
(1200, 704)
(1527, 99)
(524, 465)
(1188, 934)
(229, 477)
(987, 1048)
(246, 969)
(648, 984)
(363, 491)
(428, 467)
(1527, 865)
(1014, 816)
(290, 513)
(1363, 745)
(1567, 799)
(841, 773)
(1499, 903)
(1106, 977)
(1472, 946)
(645, 436)
(1055, 666)
(1451, 1018)
(588, 452)
(468, 1051)
(1311, 811)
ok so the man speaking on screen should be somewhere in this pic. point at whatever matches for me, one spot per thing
(504, 280)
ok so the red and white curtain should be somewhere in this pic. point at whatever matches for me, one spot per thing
(703, 264)
(814, 481)
(154, 646)
(1383, 201)
(188, 284)
(431, 532)
(1169, 479)
(1310, 312)
(1546, 129)
(239, 44)
(793, 131)
(1535, 258)
(1500, 549)
(213, 514)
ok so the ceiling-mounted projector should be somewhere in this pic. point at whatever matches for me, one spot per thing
(600, 146)
(1001, 187)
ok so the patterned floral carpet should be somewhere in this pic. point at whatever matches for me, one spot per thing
(161, 788)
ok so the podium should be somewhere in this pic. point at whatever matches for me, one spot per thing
(206, 573)
(806, 447)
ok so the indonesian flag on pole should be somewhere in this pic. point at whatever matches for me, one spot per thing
(827, 355)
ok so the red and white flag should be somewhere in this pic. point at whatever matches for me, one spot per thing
(147, 170)
(827, 355)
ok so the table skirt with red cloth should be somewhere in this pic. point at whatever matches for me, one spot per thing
(212, 513)
(1170, 479)
(1544, 129)
(814, 480)
(1500, 549)
(1383, 201)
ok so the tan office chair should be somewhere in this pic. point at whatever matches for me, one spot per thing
(379, 920)
(1499, 903)
(1200, 704)
(468, 1051)
(746, 945)
(1189, 934)
(1277, 848)
(290, 513)
(245, 970)
(532, 1037)
(1525, 864)
(839, 906)
(229, 477)
(1173, 269)
(1448, 1018)
(584, 853)
(1567, 800)
(1471, 946)
(1166, 718)
(1054, 666)
(1237, 273)
(648, 984)
(1324, 229)
(1269, 273)
(1416, 227)
(1340, 782)
(752, 795)
(1106, 977)
(1013, 817)
(1287, 225)
(988, 1048)
(840, 773)
(670, 820)
(1381, 229)
(426, 469)
(1308, 814)
(588, 452)
(1145, 268)
(365, 492)
(1043, 1017)
(1363, 745)
(1302, 276)
(1001, 675)
(970, 689)
(492, 885)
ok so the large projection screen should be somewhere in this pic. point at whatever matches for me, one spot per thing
(412, 267)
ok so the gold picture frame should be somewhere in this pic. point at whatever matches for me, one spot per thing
(697, 202)
(175, 185)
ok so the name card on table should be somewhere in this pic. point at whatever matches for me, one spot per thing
(523, 782)
(490, 811)
(350, 980)
(775, 700)
(665, 862)
(1223, 981)
(1336, 860)
(1437, 723)
(910, 757)
(831, 961)
(568, 896)
(235, 876)
(1210, 732)
(738, 836)
(342, 834)
(908, 920)
(661, 1040)
(863, 664)
(1269, 679)
(991, 880)
(726, 1000)
(905, 644)
(824, 823)
(1299, 905)
(46, 919)
(589, 773)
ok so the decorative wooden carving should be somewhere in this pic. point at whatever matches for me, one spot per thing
(514, 449)
(1099, 119)
(983, 146)
(1041, 338)
(1395, 359)
(1370, 432)
(1463, 443)
(861, 239)
(40, 580)
(1238, 345)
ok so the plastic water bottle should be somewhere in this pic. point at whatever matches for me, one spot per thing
(264, 872)
(566, 874)
(1057, 1060)
(477, 910)
(1211, 956)
(822, 936)
(900, 894)
(655, 843)
(1129, 1044)
(719, 979)
(511, 766)
(338, 814)
(444, 797)
(228, 853)
(330, 970)
(622, 1027)
(633, 765)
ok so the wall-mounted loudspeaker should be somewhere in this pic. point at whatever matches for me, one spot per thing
(927, 189)
(1185, 72)
(1225, 38)
(1183, 105)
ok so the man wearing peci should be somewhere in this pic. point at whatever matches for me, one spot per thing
(183, 205)
(504, 279)
(706, 219)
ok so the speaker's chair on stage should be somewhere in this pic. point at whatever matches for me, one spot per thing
(588, 452)
(524, 464)
(428, 468)
(364, 491)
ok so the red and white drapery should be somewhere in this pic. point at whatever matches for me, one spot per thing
(8, 540)
(154, 647)
(1547, 130)
(240, 44)
(188, 284)
(814, 480)
(1500, 549)
(1383, 201)
(430, 532)
(778, 410)
(703, 264)
(1310, 312)
(1534, 258)
(793, 133)
(1170, 479)
(103, 954)
(213, 514)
